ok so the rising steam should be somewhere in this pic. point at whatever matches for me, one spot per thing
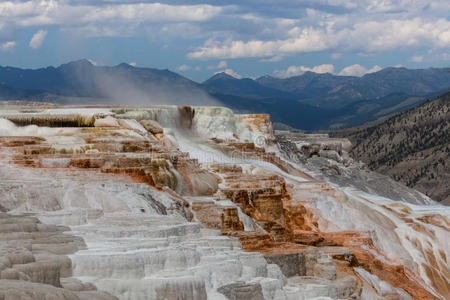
(127, 85)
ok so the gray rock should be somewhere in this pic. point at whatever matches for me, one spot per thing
(241, 290)
(291, 264)
(346, 286)
(306, 149)
(325, 270)
(330, 154)
(319, 264)
(76, 285)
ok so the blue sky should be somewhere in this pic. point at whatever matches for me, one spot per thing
(246, 38)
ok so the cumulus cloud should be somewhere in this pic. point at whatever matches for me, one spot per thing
(416, 58)
(365, 36)
(358, 70)
(431, 56)
(235, 29)
(93, 62)
(298, 70)
(231, 73)
(9, 45)
(222, 64)
(184, 68)
(353, 70)
(309, 40)
(94, 18)
(272, 59)
(37, 39)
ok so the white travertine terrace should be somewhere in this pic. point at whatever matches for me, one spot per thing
(156, 242)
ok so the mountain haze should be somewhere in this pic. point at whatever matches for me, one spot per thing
(119, 84)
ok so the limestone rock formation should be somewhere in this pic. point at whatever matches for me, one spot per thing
(34, 261)
(199, 203)
(242, 290)
(151, 126)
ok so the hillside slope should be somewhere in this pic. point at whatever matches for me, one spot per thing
(411, 147)
(222, 83)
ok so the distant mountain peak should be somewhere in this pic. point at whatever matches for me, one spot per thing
(264, 77)
(222, 75)
(125, 65)
(81, 62)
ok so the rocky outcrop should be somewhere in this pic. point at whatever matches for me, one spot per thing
(152, 126)
(107, 121)
(332, 162)
(230, 220)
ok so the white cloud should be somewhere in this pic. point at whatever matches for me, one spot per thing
(272, 59)
(230, 72)
(298, 70)
(416, 58)
(358, 70)
(37, 39)
(197, 68)
(184, 68)
(353, 70)
(222, 64)
(365, 36)
(375, 69)
(431, 56)
(93, 62)
(238, 30)
(106, 19)
(309, 40)
(133, 64)
(153, 12)
(7, 45)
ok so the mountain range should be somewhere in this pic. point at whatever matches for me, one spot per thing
(309, 101)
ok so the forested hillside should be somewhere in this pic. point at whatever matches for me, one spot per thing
(411, 147)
